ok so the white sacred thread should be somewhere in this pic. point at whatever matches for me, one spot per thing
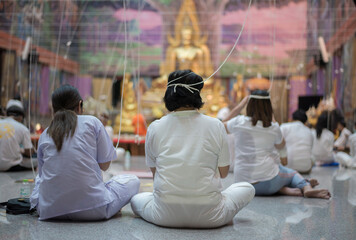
(259, 97)
(186, 86)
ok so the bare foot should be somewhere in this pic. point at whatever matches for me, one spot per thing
(313, 182)
(291, 191)
(316, 193)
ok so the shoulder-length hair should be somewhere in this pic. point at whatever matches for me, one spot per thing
(260, 109)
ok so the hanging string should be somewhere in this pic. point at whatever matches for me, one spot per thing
(124, 75)
(138, 93)
(30, 86)
(109, 64)
(8, 55)
(274, 46)
(37, 95)
(289, 72)
(69, 43)
(58, 45)
(229, 54)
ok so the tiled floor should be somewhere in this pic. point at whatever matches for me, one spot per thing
(276, 217)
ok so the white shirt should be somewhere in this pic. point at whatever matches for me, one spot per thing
(323, 147)
(223, 113)
(13, 136)
(186, 148)
(299, 143)
(256, 158)
(70, 180)
(341, 141)
(352, 143)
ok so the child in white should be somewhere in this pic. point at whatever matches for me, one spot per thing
(185, 150)
(299, 142)
(342, 141)
(346, 159)
(323, 142)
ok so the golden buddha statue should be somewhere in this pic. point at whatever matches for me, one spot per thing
(129, 109)
(188, 50)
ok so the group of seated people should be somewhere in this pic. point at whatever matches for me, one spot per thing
(187, 152)
(306, 146)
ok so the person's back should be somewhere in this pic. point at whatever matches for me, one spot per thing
(72, 151)
(260, 150)
(299, 143)
(323, 146)
(74, 167)
(186, 151)
(15, 139)
(12, 135)
(323, 141)
(255, 155)
(186, 174)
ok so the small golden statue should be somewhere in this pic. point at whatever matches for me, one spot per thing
(129, 109)
(239, 89)
(215, 99)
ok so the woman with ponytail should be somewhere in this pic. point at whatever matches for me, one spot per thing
(72, 151)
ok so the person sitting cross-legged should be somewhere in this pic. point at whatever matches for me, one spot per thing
(257, 139)
(186, 150)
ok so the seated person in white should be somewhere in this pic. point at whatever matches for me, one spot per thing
(299, 142)
(345, 159)
(185, 151)
(256, 139)
(15, 140)
(342, 141)
(72, 151)
(323, 142)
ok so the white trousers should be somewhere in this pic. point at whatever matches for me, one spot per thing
(345, 159)
(194, 215)
(122, 186)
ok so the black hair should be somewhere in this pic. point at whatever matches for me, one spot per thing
(300, 116)
(325, 120)
(65, 103)
(337, 117)
(177, 96)
(15, 111)
(260, 109)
